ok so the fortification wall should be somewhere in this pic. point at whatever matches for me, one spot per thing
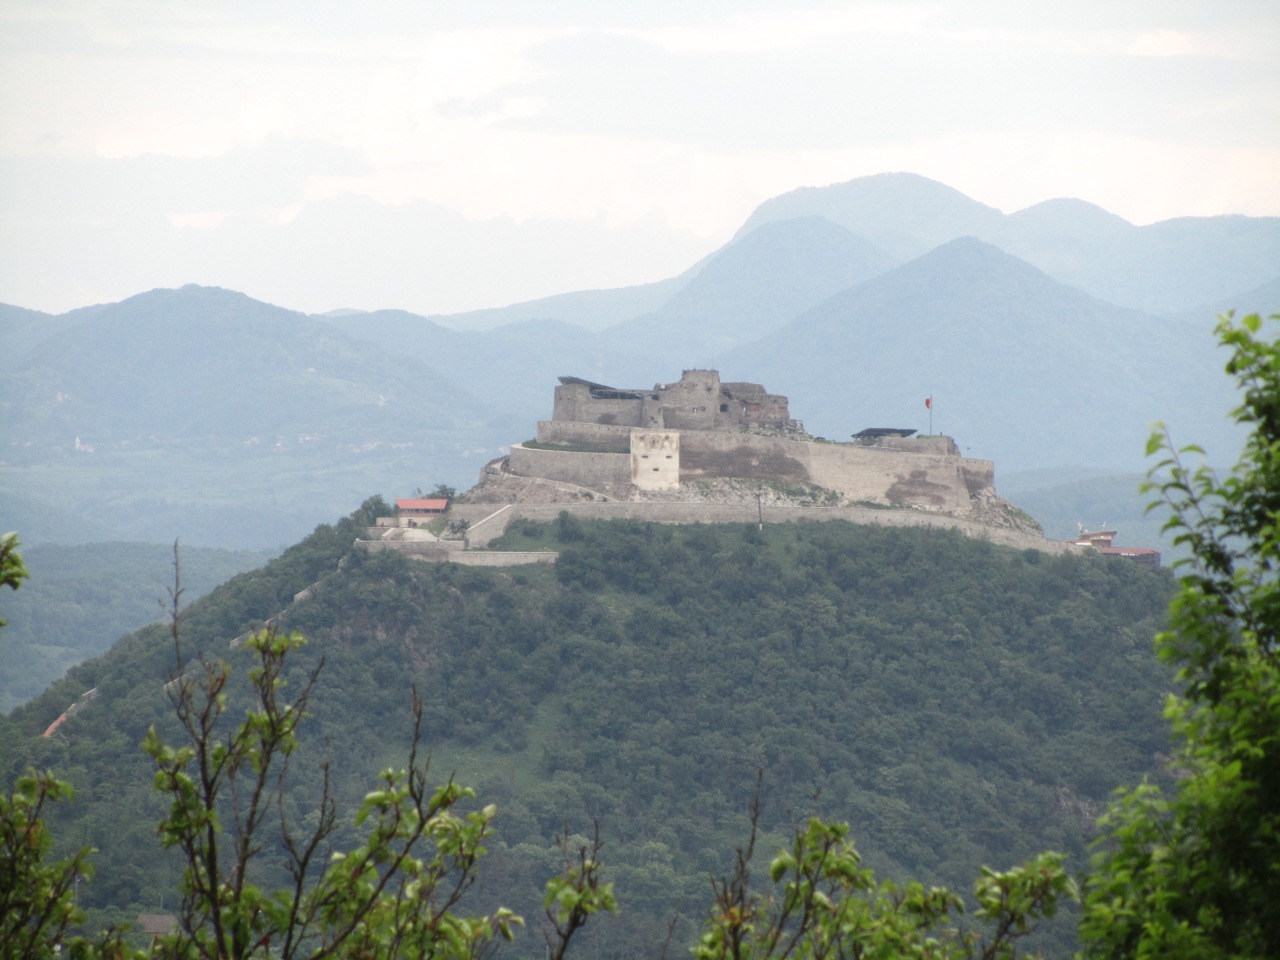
(419, 549)
(509, 558)
(573, 402)
(880, 474)
(584, 434)
(439, 553)
(586, 469)
(925, 472)
(751, 513)
(934, 443)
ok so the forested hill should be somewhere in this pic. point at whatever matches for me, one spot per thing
(958, 703)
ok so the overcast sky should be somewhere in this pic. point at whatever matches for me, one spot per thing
(438, 156)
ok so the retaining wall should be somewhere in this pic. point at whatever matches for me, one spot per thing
(423, 549)
(928, 476)
(918, 471)
(750, 513)
(585, 434)
(507, 558)
(584, 469)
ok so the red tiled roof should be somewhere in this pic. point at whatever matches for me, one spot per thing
(422, 504)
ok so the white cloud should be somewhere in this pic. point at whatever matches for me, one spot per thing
(792, 28)
(677, 117)
(1164, 43)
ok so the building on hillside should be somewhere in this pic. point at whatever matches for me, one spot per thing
(629, 443)
(412, 511)
(1103, 541)
(698, 401)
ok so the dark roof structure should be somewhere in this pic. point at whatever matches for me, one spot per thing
(601, 392)
(872, 433)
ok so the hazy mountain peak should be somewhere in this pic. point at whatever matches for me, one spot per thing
(903, 213)
(976, 260)
(1070, 217)
(759, 281)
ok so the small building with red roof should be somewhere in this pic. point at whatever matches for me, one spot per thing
(1103, 541)
(411, 511)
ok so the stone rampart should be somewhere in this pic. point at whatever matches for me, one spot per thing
(584, 434)
(502, 558)
(934, 443)
(421, 549)
(698, 512)
(917, 471)
(453, 554)
(585, 469)
(930, 476)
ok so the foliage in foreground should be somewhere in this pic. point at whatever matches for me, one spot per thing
(826, 904)
(959, 703)
(12, 570)
(397, 894)
(1196, 874)
(400, 893)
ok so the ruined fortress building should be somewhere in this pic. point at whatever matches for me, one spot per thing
(699, 401)
(629, 443)
(612, 453)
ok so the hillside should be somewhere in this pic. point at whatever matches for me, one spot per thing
(959, 703)
(81, 599)
(204, 415)
(759, 281)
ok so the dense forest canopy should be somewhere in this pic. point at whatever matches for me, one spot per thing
(958, 703)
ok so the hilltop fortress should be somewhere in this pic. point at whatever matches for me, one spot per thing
(703, 450)
(692, 435)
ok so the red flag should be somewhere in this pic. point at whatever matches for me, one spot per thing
(928, 403)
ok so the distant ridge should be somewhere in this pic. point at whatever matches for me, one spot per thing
(1160, 268)
(1056, 360)
(763, 278)
(1022, 368)
(904, 214)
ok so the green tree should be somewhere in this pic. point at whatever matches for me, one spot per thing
(826, 904)
(1196, 873)
(441, 491)
(398, 893)
(12, 570)
(37, 899)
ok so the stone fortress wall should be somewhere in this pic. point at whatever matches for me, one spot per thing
(710, 430)
(612, 453)
(488, 523)
(698, 401)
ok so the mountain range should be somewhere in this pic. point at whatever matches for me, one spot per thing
(1048, 339)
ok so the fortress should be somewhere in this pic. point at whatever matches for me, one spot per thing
(631, 444)
(703, 450)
